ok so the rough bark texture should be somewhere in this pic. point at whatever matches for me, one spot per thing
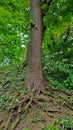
(35, 73)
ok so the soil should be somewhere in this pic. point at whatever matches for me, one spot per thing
(47, 108)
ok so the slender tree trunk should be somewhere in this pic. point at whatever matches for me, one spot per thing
(35, 80)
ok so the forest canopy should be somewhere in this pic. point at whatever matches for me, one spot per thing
(14, 27)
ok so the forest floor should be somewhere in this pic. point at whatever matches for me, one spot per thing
(19, 112)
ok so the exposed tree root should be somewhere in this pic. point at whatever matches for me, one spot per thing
(24, 100)
(45, 93)
(8, 122)
(16, 123)
(51, 111)
(25, 104)
(16, 112)
(64, 92)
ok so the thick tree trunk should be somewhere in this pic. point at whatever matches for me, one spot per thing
(35, 74)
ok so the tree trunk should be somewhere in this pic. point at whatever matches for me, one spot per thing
(35, 74)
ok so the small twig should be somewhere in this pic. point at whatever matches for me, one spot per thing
(68, 106)
(53, 111)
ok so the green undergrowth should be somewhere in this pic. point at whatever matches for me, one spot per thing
(60, 124)
(58, 60)
(58, 72)
(51, 127)
(12, 91)
(25, 129)
(12, 82)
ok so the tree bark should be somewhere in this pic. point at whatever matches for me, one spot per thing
(35, 80)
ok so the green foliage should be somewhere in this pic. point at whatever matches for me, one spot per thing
(14, 26)
(58, 61)
(11, 82)
(5, 97)
(60, 124)
(70, 101)
(65, 123)
(58, 44)
(25, 129)
(44, 105)
(51, 127)
(34, 120)
(14, 31)
(26, 92)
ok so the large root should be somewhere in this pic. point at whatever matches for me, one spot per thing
(24, 106)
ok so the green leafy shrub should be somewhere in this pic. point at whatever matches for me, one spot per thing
(51, 127)
(4, 98)
(60, 124)
(58, 63)
(65, 123)
(34, 120)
